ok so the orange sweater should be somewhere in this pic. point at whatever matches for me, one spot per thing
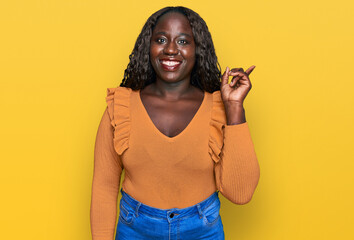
(163, 172)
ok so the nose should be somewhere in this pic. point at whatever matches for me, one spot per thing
(171, 48)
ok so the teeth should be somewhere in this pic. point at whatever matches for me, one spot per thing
(170, 63)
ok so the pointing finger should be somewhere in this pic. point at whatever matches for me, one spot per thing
(250, 69)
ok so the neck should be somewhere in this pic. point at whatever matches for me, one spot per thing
(171, 91)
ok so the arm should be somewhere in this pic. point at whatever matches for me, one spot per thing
(238, 171)
(105, 183)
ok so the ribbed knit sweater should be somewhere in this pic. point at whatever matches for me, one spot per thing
(167, 172)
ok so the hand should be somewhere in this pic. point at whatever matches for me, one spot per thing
(240, 85)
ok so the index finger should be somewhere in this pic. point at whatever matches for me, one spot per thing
(250, 69)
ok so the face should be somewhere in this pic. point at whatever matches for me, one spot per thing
(172, 48)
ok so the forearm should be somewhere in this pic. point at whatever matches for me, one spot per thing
(103, 211)
(105, 183)
(238, 169)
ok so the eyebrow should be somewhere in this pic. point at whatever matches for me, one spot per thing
(185, 34)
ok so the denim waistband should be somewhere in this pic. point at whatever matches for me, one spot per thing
(172, 212)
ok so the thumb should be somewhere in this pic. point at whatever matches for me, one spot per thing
(225, 77)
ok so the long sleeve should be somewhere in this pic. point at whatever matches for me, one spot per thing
(105, 183)
(237, 173)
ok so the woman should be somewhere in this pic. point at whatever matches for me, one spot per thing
(179, 133)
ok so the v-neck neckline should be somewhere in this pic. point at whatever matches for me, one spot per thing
(183, 132)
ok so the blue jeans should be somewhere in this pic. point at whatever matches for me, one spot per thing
(140, 221)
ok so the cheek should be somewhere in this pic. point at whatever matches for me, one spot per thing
(189, 53)
(153, 50)
(153, 56)
(191, 58)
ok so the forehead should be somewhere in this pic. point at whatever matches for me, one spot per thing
(173, 21)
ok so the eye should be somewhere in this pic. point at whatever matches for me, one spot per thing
(183, 41)
(160, 40)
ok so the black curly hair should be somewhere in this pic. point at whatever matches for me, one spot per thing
(206, 73)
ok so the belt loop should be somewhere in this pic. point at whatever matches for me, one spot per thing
(200, 211)
(137, 208)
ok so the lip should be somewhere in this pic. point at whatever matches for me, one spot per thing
(170, 68)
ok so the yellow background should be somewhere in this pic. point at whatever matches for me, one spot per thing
(57, 57)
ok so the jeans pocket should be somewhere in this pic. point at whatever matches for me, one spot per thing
(126, 213)
(211, 213)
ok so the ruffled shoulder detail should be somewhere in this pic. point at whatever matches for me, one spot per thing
(217, 124)
(118, 103)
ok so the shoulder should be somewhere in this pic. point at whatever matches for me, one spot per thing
(118, 91)
(118, 102)
(216, 95)
(217, 125)
(218, 108)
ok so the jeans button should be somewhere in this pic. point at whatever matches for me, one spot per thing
(171, 215)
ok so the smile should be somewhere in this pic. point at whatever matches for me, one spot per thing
(170, 65)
